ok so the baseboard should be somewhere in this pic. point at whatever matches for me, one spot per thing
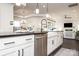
(54, 52)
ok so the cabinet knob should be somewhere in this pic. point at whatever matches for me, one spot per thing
(38, 37)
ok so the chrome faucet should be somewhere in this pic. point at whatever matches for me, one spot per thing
(45, 25)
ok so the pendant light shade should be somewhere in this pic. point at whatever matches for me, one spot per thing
(37, 9)
(47, 15)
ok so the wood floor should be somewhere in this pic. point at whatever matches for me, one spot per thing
(70, 44)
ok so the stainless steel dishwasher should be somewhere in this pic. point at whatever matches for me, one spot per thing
(40, 45)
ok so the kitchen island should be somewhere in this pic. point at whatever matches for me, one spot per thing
(29, 43)
(20, 44)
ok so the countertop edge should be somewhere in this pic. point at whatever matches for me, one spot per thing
(20, 34)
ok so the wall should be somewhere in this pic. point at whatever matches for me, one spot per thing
(6, 15)
(58, 17)
(60, 20)
(58, 12)
(34, 22)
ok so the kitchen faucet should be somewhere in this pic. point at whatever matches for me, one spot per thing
(45, 25)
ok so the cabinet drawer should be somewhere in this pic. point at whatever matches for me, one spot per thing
(26, 39)
(7, 42)
(14, 41)
(52, 34)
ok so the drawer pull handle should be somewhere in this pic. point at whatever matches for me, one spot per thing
(9, 43)
(52, 41)
(18, 52)
(38, 37)
(22, 52)
(29, 39)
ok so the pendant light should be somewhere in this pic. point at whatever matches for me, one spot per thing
(47, 15)
(37, 9)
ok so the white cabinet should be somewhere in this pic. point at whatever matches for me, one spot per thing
(55, 39)
(28, 51)
(17, 46)
(51, 42)
(9, 52)
(59, 38)
(14, 53)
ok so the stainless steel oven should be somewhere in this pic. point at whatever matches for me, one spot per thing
(69, 33)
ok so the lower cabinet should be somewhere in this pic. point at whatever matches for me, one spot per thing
(14, 53)
(28, 51)
(17, 46)
(10, 53)
(55, 39)
(40, 45)
(51, 44)
(22, 50)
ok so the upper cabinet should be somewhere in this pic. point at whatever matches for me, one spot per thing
(50, 24)
(6, 17)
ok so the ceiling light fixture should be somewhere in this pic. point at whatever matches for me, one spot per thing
(37, 9)
(47, 15)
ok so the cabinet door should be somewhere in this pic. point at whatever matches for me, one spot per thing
(60, 38)
(13, 53)
(28, 50)
(50, 44)
(10, 52)
(55, 45)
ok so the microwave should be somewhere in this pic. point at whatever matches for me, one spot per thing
(68, 25)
